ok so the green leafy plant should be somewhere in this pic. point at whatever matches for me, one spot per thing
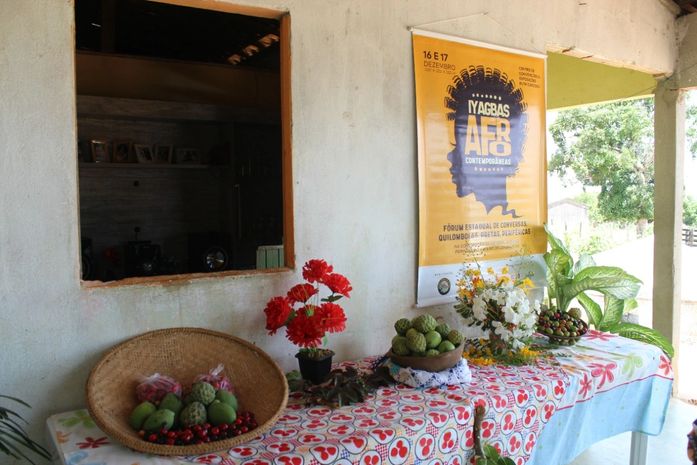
(568, 280)
(14, 440)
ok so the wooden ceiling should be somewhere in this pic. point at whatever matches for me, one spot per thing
(687, 6)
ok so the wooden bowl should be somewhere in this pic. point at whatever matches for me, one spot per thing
(183, 353)
(434, 364)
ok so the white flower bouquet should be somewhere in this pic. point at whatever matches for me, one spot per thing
(499, 305)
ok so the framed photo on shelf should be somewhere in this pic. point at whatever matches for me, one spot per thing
(144, 153)
(100, 151)
(188, 156)
(163, 154)
(122, 151)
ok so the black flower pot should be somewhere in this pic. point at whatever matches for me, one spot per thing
(315, 369)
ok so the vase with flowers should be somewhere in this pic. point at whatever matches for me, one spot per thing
(308, 317)
(498, 303)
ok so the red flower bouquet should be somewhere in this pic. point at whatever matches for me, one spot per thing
(307, 317)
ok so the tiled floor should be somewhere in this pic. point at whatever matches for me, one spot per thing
(668, 448)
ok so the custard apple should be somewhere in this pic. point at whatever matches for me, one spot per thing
(455, 337)
(203, 392)
(411, 331)
(193, 414)
(399, 346)
(443, 329)
(402, 325)
(416, 342)
(424, 323)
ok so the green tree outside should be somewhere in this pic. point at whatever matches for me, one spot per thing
(610, 146)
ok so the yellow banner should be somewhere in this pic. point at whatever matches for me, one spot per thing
(480, 114)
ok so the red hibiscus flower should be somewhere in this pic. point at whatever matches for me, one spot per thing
(301, 292)
(332, 317)
(304, 330)
(277, 312)
(338, 284)
(316, 270)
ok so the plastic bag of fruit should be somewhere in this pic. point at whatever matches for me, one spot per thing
(154, 387)
(216, 379)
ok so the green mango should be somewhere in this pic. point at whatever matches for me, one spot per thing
(160, 419)
(140, 414)
(227, 397)
(171, 402)
(220, 412)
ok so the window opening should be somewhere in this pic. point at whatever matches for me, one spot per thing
(183, 161)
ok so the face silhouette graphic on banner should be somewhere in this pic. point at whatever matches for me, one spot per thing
(490, 127)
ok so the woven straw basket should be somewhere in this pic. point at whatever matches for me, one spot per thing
(183, 353)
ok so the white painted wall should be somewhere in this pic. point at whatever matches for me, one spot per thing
(354, 167)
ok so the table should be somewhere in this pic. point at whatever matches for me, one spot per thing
(545, 413)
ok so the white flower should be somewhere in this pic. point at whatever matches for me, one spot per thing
(479, 308)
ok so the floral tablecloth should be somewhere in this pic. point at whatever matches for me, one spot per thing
(401, 425)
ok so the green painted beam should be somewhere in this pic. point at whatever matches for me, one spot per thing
(572, 81)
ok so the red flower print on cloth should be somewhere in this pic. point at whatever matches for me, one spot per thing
(514, 443)
(595, 334)
(603, 371)
(487, 429)
(586, 386)
(91, 443)
(548, 411)
(530, 415)
(208, 459)
(399, 451)
(499, 402)
(665, 366)
(530, 442)
(424, 446)
(468, 439)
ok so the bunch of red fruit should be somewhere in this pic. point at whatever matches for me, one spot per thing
(200, 434)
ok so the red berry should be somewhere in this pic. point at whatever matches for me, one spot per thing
(206, 439)
(215, 431)
(238, 421)
(197, 428)
(206, 425)
(223, 427)
(152, 437)
(170, 441)
(171, 434)
(244, 429)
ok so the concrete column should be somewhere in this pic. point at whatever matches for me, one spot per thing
(669, 150)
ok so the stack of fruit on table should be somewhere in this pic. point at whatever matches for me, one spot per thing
(423, 336)
(563, 328)
(205, 414)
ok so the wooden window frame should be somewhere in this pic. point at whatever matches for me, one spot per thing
(286, 159)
